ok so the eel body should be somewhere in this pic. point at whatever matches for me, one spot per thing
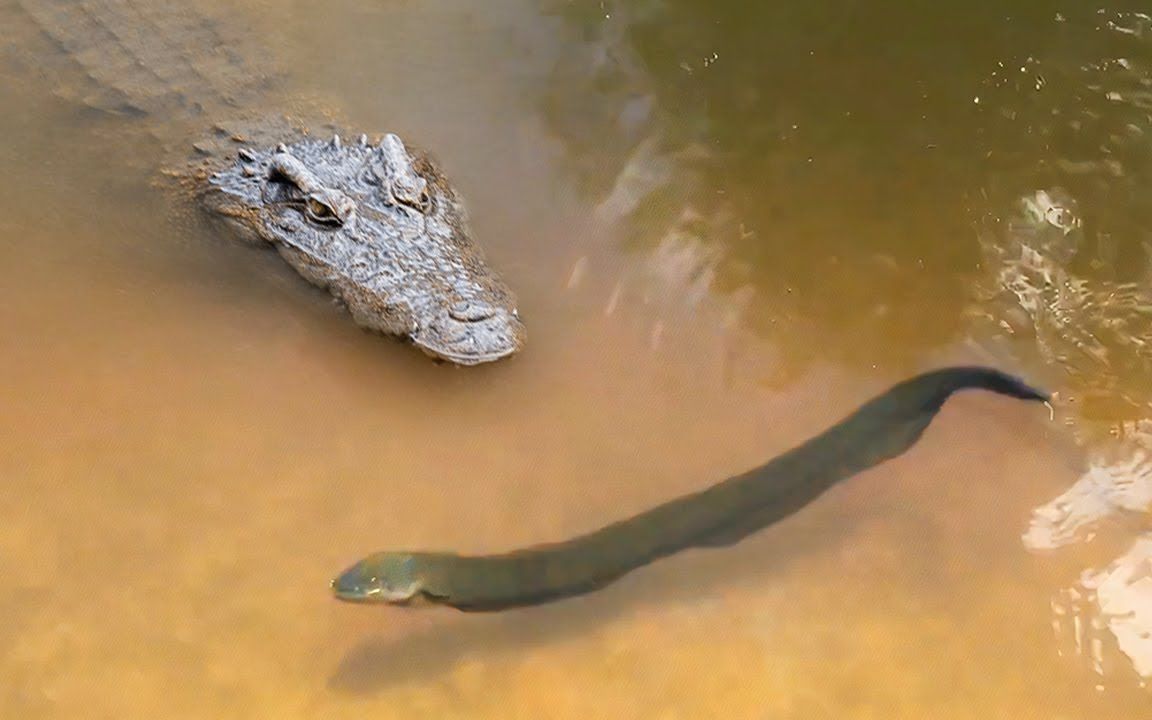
(718, 516)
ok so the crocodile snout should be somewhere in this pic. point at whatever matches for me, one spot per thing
(472, 332)
(471, 311)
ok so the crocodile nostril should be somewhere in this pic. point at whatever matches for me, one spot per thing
(471, 311)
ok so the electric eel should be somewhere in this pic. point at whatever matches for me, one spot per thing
(720, 515)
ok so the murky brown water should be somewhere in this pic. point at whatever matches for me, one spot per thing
(194, 440)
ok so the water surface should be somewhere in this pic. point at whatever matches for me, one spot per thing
(726, 226)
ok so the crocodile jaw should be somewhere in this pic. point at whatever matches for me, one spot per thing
(471, 342)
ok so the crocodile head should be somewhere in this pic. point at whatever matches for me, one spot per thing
(382, 229)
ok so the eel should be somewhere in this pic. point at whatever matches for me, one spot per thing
(718, 516)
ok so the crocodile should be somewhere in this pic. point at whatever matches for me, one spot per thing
(374, 221)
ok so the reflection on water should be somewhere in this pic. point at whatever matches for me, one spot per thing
(1066, 288)
(726, 226)
(1038, 150)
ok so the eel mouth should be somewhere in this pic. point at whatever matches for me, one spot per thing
(353, 590)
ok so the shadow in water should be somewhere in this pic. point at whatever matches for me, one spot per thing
(376, 664)
(882, 429)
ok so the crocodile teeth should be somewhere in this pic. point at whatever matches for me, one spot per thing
(363, 140)
(246, 154)
(281, 148)
(336, 142)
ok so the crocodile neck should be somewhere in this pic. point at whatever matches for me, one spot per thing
(168, 72)
(145, 58)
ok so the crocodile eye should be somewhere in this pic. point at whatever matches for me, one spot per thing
(318, 208)
(321, 212)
